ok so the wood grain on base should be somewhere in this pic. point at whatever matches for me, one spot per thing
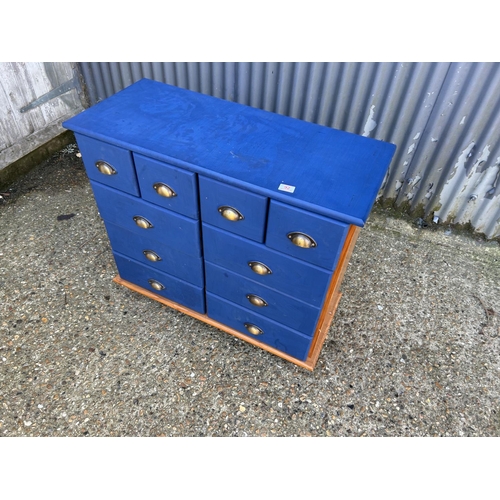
(333, 296)
(210, 321)
(330, 306)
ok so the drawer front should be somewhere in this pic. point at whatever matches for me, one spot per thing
(304, 235)
(143, 218)
(273, 334)
(303, 281)
(233, 209)
(116, 165)
(261, 299)
(160, 283)
(167, 186)
(164, 258)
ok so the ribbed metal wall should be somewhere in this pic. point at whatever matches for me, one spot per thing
(444, 118)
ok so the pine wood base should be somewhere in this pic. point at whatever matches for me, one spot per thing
(325, 320)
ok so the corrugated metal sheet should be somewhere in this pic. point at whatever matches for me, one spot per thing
(22, 131)
(454, 170)
(444, 118)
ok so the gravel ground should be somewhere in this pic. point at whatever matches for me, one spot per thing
(413, 349)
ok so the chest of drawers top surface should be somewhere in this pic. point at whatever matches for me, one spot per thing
(333, 173)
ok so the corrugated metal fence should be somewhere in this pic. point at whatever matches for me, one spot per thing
(444, 118)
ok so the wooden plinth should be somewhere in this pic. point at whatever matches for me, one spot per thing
(330, 306)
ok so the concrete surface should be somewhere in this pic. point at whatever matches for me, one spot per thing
(413, 350)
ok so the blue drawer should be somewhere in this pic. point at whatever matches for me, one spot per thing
(116, 163)
(261, 299)
(166, 227)
(273, 334)
(167, 186)
(173, 289)
(323, 238)
(162, 257)
(294, 277)
(219, 201)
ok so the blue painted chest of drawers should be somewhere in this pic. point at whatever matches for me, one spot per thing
(242, 218)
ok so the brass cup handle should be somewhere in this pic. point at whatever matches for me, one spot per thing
(230, 213)
(256, 300)
(156, 285)
(302, 240)
(142, 222)
(259, 268)
(253, 329)
(152, 256)
(164, 190)
(105, 168)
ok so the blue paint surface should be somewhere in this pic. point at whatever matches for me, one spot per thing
(175, 289)
(251, 206)
(118, 158)
(275, 335)
(168, 227)
(281, 174)
(294, 277)
(173, 261)
(279, 307)
(334, 173)
(328, 235)
(182, 182)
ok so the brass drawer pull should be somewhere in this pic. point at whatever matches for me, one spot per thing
(142, 222)
(156, 285)
(105, 168)
(230, 213)
(253, 329)
(302, 240)
(259, 268)
(164, 190)
(256, 300)
(152, 256)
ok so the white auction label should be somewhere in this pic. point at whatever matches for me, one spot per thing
(287, 188)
